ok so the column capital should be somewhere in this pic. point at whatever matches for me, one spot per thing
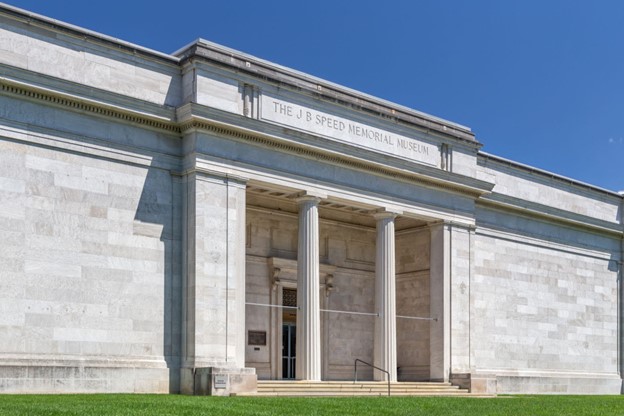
(382, 214)
(439, 224)
(308, 196)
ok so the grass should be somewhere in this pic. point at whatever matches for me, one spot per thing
(128, 404)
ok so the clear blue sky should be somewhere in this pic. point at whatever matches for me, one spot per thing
(539, 81)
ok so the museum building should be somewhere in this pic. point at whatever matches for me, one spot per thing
(202, 221)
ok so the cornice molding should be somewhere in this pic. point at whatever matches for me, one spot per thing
(39, 94)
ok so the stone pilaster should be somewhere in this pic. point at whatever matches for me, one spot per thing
(385, 298)
(213, 335)
(461, 264)
(440, 301)
(308, 365)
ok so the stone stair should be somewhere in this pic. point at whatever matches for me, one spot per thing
(349, 388)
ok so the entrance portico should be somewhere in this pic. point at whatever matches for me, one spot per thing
(344, 260)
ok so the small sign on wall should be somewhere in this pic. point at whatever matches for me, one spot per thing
(256, 337)
(220, 381)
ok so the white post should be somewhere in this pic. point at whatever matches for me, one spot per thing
(308, 359)
(385, 298)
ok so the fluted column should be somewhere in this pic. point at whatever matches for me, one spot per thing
(308, 365)
(385, 298)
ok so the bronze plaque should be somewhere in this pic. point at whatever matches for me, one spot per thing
(256, 337)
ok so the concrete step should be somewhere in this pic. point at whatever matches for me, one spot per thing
(352, 385)
(356, 388)
(359, 390)
(349, 388)
(304, 385)
(369, 383)
(358, 394)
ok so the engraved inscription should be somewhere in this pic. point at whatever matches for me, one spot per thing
(343, 129)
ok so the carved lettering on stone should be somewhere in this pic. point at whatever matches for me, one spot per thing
(348, 131)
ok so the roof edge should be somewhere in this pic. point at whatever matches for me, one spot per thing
(30, 17)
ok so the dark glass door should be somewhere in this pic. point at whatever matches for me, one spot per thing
(289, 350)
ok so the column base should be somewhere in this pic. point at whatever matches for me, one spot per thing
(218, 381)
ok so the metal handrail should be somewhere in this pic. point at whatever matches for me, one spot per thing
(370, 365)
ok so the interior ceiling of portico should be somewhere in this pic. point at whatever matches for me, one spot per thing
(282, 200)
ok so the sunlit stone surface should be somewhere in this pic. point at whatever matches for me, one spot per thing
(191, 223)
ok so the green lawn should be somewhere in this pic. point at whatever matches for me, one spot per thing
(126, 404)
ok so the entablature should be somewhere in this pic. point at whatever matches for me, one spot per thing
(196, 118)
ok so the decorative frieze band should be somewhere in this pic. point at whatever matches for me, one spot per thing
(31, 92)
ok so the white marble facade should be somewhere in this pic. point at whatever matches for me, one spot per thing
(157, 212)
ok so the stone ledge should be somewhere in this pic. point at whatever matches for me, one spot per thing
(39, 379)
(558, 385)
(492, 383)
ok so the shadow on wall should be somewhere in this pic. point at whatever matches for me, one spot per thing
(615, 263)
(159, 215)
